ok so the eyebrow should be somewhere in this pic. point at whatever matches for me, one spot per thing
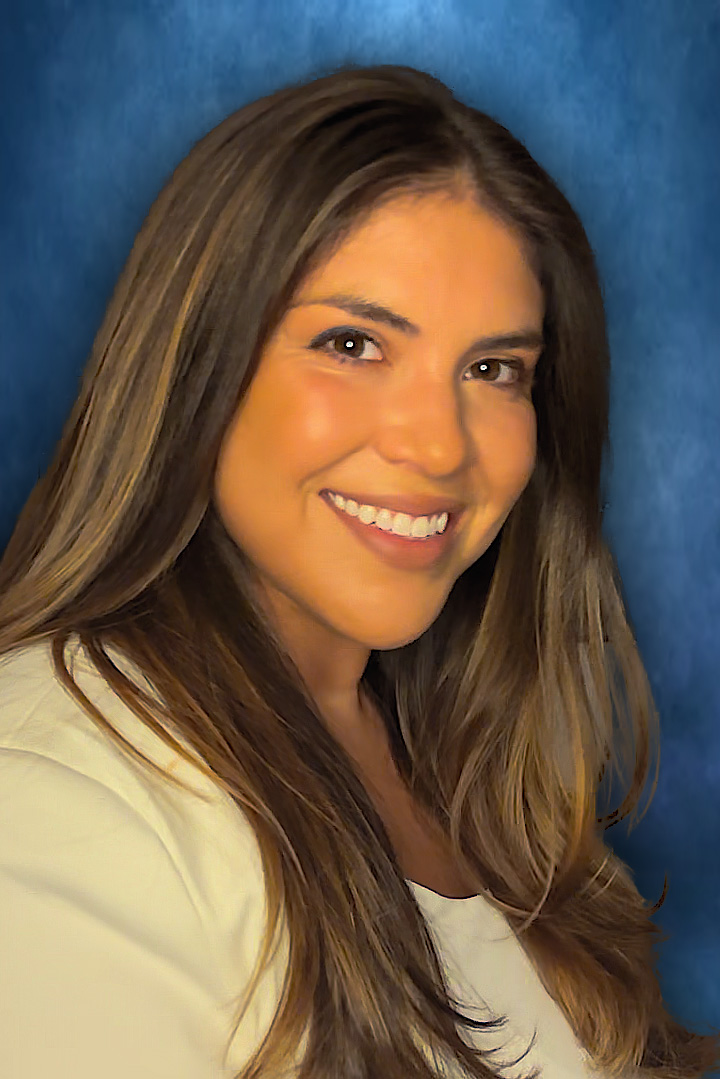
(364, 308)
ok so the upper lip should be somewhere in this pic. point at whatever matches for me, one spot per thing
(414, 505)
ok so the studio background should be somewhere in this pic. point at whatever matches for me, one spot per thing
(618, 101)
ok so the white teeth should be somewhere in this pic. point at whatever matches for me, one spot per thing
(419, 527)
(400, 524)
(384, 520)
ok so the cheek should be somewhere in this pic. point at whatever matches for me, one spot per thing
(523, 460)
(507, 452)
(290, 428)
(313, 420)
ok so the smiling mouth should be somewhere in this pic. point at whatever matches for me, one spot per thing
(412, 506)
(394, 524)
(411, 553)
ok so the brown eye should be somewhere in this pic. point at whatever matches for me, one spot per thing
(345, 345)
(482, 367)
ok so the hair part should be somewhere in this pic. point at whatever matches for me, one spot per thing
(532, 663)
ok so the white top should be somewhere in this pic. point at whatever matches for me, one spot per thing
(131, 913)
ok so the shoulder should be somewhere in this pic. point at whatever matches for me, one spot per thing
(95, 848)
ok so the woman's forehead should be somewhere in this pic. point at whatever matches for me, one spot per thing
(433, 246)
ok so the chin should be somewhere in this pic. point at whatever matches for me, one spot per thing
(387, 623)
(389, 644)
(386, 638)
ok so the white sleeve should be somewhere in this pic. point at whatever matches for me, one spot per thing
(104, 958)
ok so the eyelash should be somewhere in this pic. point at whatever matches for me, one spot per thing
(525, 374)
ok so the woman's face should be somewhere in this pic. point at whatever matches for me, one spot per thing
(388, 411)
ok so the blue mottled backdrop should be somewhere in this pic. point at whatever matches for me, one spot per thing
(621, 104)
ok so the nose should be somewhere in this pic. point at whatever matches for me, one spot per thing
(422, 426)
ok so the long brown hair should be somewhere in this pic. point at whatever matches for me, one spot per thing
(532, 663)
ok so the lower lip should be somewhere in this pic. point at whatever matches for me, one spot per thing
(397, 551)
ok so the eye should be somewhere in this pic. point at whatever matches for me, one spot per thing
(523, 372)
(351, 345)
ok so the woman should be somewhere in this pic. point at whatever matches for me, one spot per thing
(330, 494)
